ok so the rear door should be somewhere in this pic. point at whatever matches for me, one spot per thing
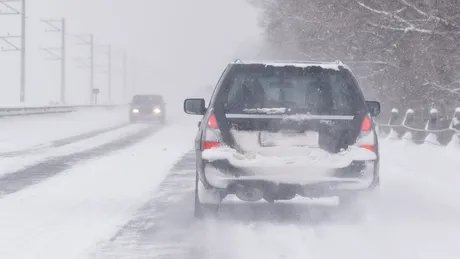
(288, 110)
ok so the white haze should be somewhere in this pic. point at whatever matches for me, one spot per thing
(174, 47)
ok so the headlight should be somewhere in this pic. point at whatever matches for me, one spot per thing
(156, 111)
(135, 111)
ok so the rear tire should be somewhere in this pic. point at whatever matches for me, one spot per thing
(209, 209)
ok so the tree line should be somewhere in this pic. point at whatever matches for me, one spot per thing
(406, 53)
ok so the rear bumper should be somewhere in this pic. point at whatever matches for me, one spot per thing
(359, 176)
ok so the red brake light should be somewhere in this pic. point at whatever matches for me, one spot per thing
(212, 122)
(367, 124)
(210, 144)
(368, 147)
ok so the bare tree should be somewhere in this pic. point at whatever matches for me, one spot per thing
(405, 52)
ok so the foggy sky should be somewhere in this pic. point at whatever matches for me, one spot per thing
(173, 45)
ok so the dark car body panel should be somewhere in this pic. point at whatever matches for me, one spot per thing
(334, 135)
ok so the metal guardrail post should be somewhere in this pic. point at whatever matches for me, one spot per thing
(455, 123)
(434, 131)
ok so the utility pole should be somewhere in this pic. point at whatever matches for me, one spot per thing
(11, 10)
(62, 49)
(88, 40)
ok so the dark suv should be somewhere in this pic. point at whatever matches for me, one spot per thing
(275, 130)
(147, 108)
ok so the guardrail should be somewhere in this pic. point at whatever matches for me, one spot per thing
(25, 111)
(436, 130)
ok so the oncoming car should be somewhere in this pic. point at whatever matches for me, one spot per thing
(276, 130)
(147, 108)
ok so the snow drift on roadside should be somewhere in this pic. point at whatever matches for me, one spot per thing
(65, 216)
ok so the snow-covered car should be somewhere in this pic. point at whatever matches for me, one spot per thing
(147, 108)
(275, 130)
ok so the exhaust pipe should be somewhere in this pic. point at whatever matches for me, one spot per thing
(249, 193)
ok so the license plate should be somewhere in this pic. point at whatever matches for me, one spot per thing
(272, 139)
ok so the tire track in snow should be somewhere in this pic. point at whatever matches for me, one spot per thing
(63, 141)
(37, 173)
(402, 223)
(166, 228)
(157, 230)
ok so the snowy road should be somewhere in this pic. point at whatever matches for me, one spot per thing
(130, 195)
(416, 216)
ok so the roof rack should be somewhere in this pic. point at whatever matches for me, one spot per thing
(338, 62)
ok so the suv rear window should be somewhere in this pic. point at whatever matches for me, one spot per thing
(147, 99)
(259, 88)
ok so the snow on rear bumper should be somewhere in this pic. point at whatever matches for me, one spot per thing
(353, 169)
(354, 177)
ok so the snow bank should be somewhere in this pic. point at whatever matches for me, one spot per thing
(431, 138)
(393, 134)
(21, 133)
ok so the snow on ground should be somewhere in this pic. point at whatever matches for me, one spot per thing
(12, 164)
(413, 218)
(66, 215)
(416, 216)
(21, 133)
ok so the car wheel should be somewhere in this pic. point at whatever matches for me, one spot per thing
(211, 198)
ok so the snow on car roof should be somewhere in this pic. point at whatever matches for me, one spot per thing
(281, 63)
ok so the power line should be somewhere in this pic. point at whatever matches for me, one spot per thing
(62, 57)
(8, 39)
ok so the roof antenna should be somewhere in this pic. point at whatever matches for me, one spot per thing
(237, 60)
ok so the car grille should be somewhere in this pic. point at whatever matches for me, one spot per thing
(145, 110)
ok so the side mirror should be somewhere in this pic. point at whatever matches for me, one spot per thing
(195, 106)
(374, 108)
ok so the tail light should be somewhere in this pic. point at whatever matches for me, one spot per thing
(367, 124)
(366, 138)
(369, 147)
(210, 144)
(211, 138)
(212, 122)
